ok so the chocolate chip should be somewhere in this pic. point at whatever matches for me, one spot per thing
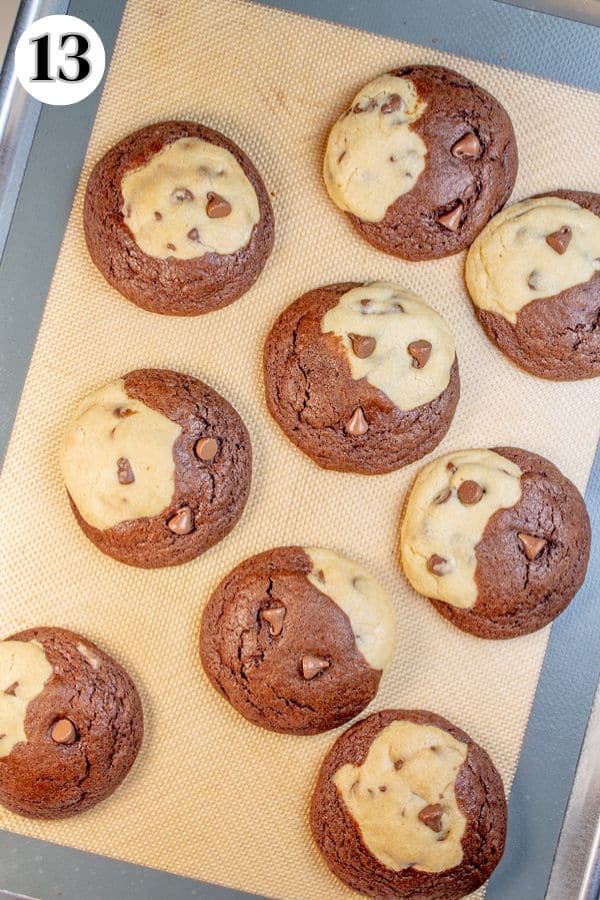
(362, 345)
(157, 215)
(180, 194)
(193, 234)
(320, 576)
(534, 281)
(532, 545)
(313, 666)
(63, 732)
(432, 816)
(420, 352)
(274, 617)
(123, 412)
(470, 492)
(370, 104)
(217, 206)
(383, 788)
(436, 564)
(398, 764)
(443, 496)
(365, 303)
(357, 424)
(467, 147)
(206, 449)
(341, 156)
(124, 471)
(451, 467)
(12, 689)
(182, 522)
(393, 104)
(560, 240)
(451, 220)
(171, 246)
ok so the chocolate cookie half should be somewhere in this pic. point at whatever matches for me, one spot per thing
(534, 277)
(296, 639)
(499, 540)
(420, 161)
(157, 466)
(71, 723)
(362, 378)
(177, 219)
(408, 805)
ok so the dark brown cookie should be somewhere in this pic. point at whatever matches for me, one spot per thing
(71, 723)
(318, 392)
(459, 162)
(531, 547)
(157, 466)
(557, 336)
(427, 828)
(279, 639)
(168, 284)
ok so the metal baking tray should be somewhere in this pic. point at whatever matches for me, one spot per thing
(553, 848)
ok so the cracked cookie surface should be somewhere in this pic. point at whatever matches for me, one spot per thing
(82, 726)
(331, 355)
(296, 639)
(523, 562)
(215, 201)
(449, 836)
(459, 173)
(554, 330)
(154, 496)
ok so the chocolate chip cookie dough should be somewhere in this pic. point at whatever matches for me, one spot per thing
(420, 161)
(534, 277)
(296, 639)
(71, 723)
(498, 540)
(362, 378)
(177, 219)
(157, 467)
(408, 805)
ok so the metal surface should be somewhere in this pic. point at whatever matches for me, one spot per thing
(587, 11)
(19, 113)
(495, 32)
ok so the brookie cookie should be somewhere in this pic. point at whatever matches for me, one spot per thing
(498, 540)
(362, 378)
(157, 466)
(420, 161)
(407, 805)
(71, 723)
(534, 277)
(177, 219)
(296, 639)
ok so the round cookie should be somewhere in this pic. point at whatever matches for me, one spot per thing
(157, 466)
(177, 219)
(420, 161)
(362, 378)
(71, 723)
(498, 540)
(296, 639)
(407, 805)
(534, 277)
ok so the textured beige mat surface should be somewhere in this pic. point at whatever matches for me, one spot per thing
(211, 796)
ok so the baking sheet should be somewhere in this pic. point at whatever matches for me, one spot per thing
(237, 812)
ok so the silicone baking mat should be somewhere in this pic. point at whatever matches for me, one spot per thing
(211, 796)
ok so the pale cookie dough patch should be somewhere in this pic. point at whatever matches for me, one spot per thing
(24, 670)
(372, 155)
(363, 600)
(191, 198)
(117, 458)
(91, 657)
(451, 502)
(532, 250)
(395, 340)
(406, 781)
